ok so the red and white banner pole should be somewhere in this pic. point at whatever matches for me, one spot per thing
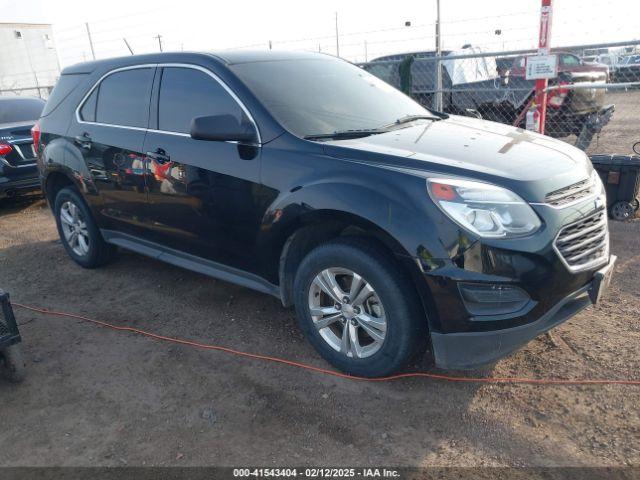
(544, 48)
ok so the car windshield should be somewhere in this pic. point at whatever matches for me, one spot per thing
(16, 110)
(311, 97)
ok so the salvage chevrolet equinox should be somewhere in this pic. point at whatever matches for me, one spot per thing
(391, 228)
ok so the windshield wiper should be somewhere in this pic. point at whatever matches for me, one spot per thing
(346, 134)
(435, 116)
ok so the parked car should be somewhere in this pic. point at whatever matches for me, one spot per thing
(628, 70)
(389, 227)
(18, 170)
(473, 82)
(567, 63)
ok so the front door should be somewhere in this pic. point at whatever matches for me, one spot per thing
(110, 136)
(203, 195)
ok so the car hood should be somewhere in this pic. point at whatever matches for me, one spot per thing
(529, 163)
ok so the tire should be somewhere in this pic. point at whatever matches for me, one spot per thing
(12, 362)
(395, 330)
(623, 211)
(93, 251)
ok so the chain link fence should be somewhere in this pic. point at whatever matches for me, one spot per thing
(593, 103)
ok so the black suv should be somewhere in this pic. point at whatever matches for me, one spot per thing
(18, 170)
(391, 228)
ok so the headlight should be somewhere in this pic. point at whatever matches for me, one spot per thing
(484, 209)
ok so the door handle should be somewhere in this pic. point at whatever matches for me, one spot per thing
(160, 156)
(83, 140)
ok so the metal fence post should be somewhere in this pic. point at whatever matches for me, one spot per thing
(438, 96)
(544, 44)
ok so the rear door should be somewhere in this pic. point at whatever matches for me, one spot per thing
(108, 132)
(203, 195)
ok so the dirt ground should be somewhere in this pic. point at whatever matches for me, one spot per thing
(100, 397)
(619, 136)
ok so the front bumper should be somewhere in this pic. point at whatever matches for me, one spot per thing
(468, 350)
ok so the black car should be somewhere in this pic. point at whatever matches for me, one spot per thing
(391, 228)
(18, 169)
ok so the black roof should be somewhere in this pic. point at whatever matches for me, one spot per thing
(227, 57)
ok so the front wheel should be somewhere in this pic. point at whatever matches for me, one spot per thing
(358, 309)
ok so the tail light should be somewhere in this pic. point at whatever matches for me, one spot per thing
(5, 149)
(555, 98)
(35, 134)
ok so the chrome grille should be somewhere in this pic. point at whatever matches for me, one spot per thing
(585, 243)
(570, 194)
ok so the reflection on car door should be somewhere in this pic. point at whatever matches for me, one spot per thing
(203, 195)
(110, 134)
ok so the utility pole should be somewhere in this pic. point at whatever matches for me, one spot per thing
(270, 45)
(159, 37)
(366, 57)
(93, 53)
(337, 37)
(128, 46)
(438, 97)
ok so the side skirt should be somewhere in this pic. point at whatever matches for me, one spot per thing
(190, 262)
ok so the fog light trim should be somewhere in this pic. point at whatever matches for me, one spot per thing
(491, 299)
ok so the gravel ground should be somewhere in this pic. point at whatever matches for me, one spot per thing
(619, 136)
(99, 397)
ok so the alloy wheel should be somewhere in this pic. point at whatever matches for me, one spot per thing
(347, 312)
(74, 228)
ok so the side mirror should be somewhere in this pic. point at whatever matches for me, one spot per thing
(222, 128)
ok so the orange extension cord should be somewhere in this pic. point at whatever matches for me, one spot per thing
(180, 341)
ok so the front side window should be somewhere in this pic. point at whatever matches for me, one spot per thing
(121, 99)
(186, 93)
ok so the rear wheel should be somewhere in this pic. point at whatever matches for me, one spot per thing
(78, 231)
(623, 211)
(357, 309)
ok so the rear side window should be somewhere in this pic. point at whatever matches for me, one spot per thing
(15, 110)
(122, 98)
(186, 93)
(65, 85)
